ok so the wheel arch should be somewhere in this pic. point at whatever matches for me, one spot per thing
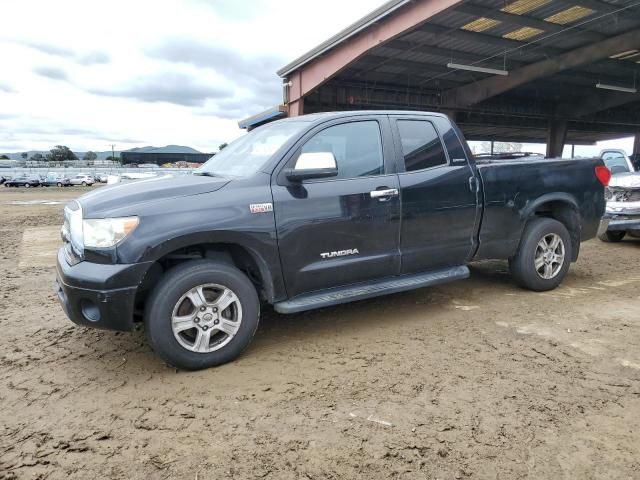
(242, 253)
(563, 208)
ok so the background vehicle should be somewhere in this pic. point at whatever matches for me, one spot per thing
(82, 179)
(623, 207)
(2, 179)
(23, 181)
(311, 212)
(616, 161)
(102, 177)
(53, 180)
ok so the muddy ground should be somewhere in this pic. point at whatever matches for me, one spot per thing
(472, 380)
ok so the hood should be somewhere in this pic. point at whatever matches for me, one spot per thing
(626, 181)
(103, 199)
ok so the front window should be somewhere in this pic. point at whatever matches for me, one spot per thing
(250, 153)
(356, 146)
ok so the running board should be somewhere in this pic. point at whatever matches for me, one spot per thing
(361, 291)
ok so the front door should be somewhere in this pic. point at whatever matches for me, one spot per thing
(341, 230)
(439, 195)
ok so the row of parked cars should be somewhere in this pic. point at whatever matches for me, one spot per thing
(52, 180)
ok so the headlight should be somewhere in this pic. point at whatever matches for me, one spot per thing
(107, 232)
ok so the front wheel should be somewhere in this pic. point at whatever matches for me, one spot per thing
(84, 184)
(613, 236)
(59, 184)
(544, 256)
(201, 314)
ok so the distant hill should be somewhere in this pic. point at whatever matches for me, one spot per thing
(167, 149)
(107, 153)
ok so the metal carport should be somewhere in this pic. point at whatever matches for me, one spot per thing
(549, 55)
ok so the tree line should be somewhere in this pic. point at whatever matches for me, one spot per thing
(59, 154)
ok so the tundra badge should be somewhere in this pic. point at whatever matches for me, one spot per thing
(340, 253)
(261, 207)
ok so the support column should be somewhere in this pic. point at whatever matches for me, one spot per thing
(635, 155)
(556, 137)
(296, 108)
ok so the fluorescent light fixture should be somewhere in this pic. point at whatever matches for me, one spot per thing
(604, 86)
(473, 68)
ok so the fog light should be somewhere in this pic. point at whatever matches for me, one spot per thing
(90, 310)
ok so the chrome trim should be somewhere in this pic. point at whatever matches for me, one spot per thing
(392, 192)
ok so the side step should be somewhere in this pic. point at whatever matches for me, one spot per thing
(361, 291)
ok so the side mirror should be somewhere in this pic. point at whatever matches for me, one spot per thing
(313, 165)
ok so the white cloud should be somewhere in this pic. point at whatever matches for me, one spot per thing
(88, 74)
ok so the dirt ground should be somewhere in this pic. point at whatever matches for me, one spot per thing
(472, 380)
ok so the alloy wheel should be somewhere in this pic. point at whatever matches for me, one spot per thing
(550, 256)
(206, 318)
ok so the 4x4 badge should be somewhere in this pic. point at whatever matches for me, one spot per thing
(261, 207)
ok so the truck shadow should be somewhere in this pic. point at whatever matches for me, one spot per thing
(487, 279)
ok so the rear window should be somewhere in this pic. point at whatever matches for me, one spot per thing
(421, 145)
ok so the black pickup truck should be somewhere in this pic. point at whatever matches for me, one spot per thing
(310, 212)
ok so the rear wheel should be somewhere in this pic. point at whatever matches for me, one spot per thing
(27, 185)
(544, 256)
(612, 237)
(84, 184)
(202, 314)
(59, 184)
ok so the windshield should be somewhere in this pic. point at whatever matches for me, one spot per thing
(249, 153)
(615, 162)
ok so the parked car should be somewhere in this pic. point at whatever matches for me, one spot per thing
(623, 207)
(617, 161)
(83, 179)
(2, 179)
(102, 177)
(23, 181)
(311, 212)
(53, 180)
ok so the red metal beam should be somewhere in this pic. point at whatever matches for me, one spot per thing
(490, 87)
(312, 75)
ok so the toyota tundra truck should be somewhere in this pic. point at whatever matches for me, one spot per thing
(310, 212)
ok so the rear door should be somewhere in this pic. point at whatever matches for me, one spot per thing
(440, 194)
(341, 230)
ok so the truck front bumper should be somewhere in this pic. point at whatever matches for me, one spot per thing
(97, 295)
(620, 222)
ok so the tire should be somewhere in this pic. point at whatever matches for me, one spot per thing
(27, 185)
(59, 184)
(552, 270)
(168, 297)
(84, 184)
(612, 236)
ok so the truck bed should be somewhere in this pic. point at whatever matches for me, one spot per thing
(512, 189)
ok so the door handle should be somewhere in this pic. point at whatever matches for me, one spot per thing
(473, 185)
(384, 194)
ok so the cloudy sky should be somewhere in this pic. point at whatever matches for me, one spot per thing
(153, 72)
(149, 72)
